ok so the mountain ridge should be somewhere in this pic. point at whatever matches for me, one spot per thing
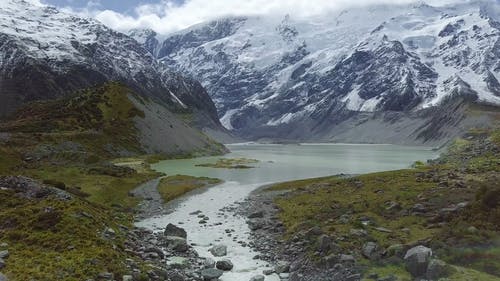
(268, 74)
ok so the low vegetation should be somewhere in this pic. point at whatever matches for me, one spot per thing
(451, 205)
(70, 144)
(175, 186)
(234, 163)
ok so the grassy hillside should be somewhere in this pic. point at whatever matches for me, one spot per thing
(71, 144)
(451, 205)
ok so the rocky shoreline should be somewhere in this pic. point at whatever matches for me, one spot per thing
(291, 260)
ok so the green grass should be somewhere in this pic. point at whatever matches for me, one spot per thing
(50, 239)
(176, 186)
(102, 189)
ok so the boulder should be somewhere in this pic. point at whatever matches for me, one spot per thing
(3, 277)
(4, 254)
(127, 278)
(177, 244)
(218, 250)
(211, 273)
(208, 263)
(268, 271)
(282, 267)
(370, 250)
(2, 264)
(224, 264)
(417, 259)
(324, 243)
(347, 259)
(105, 276)
(255, 224)
(358, 232)
(259, 214)
(178, 262)
(172, 230)
(438, 269)
(258, 278)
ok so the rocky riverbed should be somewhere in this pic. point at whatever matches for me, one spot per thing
(290, 257)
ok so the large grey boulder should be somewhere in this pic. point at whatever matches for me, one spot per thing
(438, 269)
(3, 277)
(417, 259)
(172, 230)
(225, 265)
(218, 250)
(211, 273)
(177, 244)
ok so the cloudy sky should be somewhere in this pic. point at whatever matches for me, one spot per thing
(166, 16)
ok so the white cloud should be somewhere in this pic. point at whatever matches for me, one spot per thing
(166, 16)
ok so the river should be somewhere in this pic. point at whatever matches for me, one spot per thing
(277, 163)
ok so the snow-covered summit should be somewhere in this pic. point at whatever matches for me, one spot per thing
(269, 71)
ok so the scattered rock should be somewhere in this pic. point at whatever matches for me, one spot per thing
(218, 250)
(417, 259)
(4, 254)
(419, 209)
(438, 269)
(347, 259)
(2, 264)
(210, 274)
(127, 278)
(258, 278)
(105, 276)
(208, 263)
(172, 230)
(3, 277)
(178, 262)
(254, 224)
(177, 244)
(109, 232)
(358, 232)
(282, 267)
(383, 229)
(324, 243)
(258, 214)
(268, 271)
(370, 250)
(225, 265)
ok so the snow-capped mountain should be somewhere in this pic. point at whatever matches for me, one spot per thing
(46, 53)
(302, 77)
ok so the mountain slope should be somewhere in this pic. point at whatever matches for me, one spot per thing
(278, 77)
(45, 54)
(104, 122)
